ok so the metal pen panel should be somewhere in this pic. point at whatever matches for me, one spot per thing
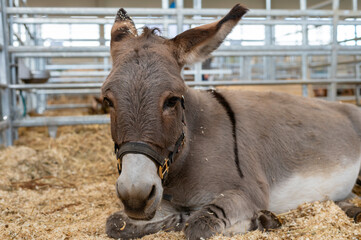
(180, 16)
(5, 114)
(61, 121)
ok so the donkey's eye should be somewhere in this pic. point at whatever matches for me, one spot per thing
(171, 102)
(107, 102)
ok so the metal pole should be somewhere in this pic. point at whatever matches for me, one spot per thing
(357, 66)
(103, 49)
(305, 92)
(62, 121)
(5, 76)
(334, 55)
(165, 5)
(198, 69)
(180, 17)
(354, 5)
(241, 70)
(269, 65)
(358, 87)
(197, 5)
(38, 20)
(13, 79)
(358, 94)
(160, 11)
(3, 85)
(321, 4)
(303, 6)
(247, 67)
(98, 85)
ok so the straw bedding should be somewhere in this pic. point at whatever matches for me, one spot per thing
(63, 188)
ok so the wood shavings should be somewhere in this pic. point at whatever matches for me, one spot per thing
(63, 188)
(39, 183)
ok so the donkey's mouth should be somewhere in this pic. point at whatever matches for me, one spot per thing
(145, 213)
(145, 210)
(139, 215)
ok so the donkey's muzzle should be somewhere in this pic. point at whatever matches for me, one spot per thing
(139, 186)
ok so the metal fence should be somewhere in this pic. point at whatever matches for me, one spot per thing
(5, 121)
(234, 63)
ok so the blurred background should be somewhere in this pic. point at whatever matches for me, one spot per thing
(54, 55)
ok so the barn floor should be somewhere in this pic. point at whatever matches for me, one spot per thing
(63, 188)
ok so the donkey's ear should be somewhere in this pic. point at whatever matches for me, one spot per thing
(196, 44)
(123, 27)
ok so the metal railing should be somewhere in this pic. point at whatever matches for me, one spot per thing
(6, 127)
(65, 81)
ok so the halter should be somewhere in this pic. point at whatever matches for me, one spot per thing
(162, 162)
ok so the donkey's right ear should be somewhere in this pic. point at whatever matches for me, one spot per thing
(123, 27)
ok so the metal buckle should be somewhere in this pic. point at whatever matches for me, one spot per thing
(163, 170)
(119, 166)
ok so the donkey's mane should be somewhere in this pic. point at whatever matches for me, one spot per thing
(151, 33)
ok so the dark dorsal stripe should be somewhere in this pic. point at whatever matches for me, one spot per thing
(219, 97)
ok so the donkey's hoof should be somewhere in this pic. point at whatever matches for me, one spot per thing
(267, 220)
(354, 213)
(357, 218)
(203, 225)
(117, 227)
(351, 210)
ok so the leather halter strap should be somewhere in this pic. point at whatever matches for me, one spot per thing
(162, 162)
(140, 147)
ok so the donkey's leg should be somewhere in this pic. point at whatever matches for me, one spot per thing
(350, 209)
(230, 213)
(264, 220)
(119, 225)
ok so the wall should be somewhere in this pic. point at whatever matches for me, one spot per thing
(260, 4)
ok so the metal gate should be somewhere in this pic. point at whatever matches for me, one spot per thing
(65, 81)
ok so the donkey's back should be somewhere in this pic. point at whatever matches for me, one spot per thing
(308, 149)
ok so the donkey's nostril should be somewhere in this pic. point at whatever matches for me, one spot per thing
(152, 193)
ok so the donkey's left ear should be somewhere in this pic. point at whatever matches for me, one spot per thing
(196, 44)
(123, 27)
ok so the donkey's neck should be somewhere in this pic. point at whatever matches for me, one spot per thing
(203, 119)
(208, 139)
(203, 110)
(197, 109)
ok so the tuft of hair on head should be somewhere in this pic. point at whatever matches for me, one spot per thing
(148, 32)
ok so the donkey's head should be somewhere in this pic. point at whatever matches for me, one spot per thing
(144, 91)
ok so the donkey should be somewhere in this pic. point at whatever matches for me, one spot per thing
(221, 161)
